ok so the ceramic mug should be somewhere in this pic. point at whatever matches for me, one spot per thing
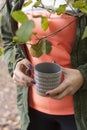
(47, 76)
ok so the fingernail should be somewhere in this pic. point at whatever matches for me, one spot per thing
(33, 82)
(30, 66)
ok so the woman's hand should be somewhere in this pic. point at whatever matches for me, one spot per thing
(73, 81)
(20, 77)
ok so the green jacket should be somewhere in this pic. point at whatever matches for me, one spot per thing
(78, 58)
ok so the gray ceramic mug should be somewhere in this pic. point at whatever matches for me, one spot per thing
(47, 76)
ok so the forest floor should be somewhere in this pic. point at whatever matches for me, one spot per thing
(9, 116)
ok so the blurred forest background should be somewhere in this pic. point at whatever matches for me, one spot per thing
(9, 116)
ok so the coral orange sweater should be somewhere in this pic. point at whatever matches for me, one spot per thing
(62, 44)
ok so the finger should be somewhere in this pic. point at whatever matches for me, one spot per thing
(57, 90)
(24, 66)
(25, 84)
(24, 62)
(15, 76)
(65, 71)
(66, 92)
(19, 83)
(21, 77)
(26, 80)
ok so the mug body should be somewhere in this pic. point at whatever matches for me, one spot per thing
(47, 76)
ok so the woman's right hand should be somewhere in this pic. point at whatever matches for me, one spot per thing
(20, 77)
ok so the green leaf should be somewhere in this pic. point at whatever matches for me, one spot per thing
(19, 16)
(85, 33)
(34, 33)
(78, 4)
(37, 4)
(43, 47)
(46, 46)
(68, 1)
(36, 50)
(61, 9)
(27, 3)
(1, 51)
(25, 31)
(44, 23)
(84, 10)
(15, 39)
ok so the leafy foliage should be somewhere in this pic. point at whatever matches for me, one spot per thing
(46, 46)
(84, 9)
(25, 32)
(44, 23)
(19, 16)
(37, 4)
(36, 50)
(27, 3)
(1, 51)
(61, 9)
(79, 4)
(42, 47)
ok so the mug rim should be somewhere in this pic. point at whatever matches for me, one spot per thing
(38, 72)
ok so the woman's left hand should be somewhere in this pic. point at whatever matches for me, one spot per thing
(73, 81)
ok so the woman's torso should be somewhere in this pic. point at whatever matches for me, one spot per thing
(62, 44)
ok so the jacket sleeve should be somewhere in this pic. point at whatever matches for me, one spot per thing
(82, 61)
(79, 51)
(12, 51)
(83, 70)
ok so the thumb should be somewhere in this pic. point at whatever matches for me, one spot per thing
(58, 89)
(65, 70)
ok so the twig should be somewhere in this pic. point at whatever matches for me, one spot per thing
(57, 31)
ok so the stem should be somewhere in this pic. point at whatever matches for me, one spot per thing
(70, 5)
(57, 31)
